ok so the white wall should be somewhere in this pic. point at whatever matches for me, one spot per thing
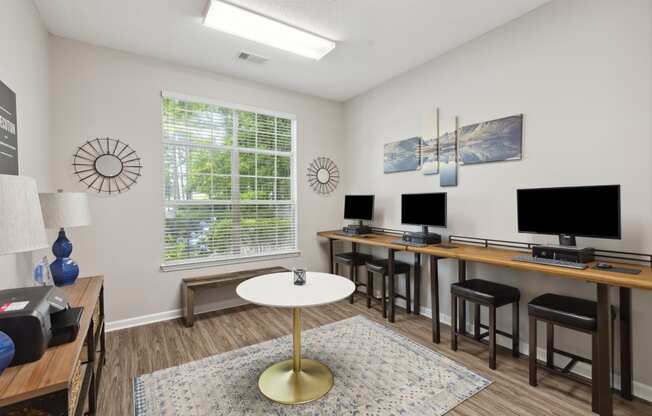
(24, 69)
(580, 72)
(578, 69)
(102, 92)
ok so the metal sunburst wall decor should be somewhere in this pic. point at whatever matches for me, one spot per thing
(107, 165)
(323, 175)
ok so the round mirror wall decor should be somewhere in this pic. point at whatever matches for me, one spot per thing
(107, 165)
(323, 175)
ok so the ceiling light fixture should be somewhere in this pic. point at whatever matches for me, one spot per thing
(249, 25)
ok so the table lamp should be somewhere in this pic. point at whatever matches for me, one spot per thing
(60, 210)
(21, 228)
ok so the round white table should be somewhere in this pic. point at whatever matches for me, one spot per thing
(295, 381)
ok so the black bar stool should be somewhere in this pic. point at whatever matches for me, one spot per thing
(568, 312)
(353, 260)
(492, 295)
(379, 266)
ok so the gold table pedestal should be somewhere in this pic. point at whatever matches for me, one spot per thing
(296, 381)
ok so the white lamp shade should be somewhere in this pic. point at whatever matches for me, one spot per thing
(65, 209)
(21, 221)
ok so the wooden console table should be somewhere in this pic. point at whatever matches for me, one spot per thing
(65, 380)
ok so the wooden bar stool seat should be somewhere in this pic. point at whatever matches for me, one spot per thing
(353, 260)
(572, 313)
(492, 295)
(380, 267)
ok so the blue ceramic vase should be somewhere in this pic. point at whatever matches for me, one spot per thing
(7, 351)
(64, 270)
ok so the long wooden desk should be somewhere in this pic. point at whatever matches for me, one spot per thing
(67, 375)
(603, 279)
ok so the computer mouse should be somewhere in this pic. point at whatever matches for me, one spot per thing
(603, 266)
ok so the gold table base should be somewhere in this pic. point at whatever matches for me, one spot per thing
(297, 380)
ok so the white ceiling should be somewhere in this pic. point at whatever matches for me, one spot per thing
(376, 39)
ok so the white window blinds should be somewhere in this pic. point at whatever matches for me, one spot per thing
(229, 182)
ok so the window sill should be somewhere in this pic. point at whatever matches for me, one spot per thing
(200, 264)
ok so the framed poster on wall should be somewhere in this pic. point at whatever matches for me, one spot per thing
(8, 132)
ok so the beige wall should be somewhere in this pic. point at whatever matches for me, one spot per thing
(580, 72)
(102, 92)
(24, 68)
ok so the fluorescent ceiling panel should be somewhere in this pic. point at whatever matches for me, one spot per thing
(249, 25)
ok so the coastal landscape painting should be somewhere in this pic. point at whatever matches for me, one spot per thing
(402, 156)
(491, 141)
(448, 159)
(430, 156)
(430, 143)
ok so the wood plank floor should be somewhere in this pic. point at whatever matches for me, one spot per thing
(144, 349)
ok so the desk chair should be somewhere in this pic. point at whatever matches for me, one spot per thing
(568, 312)
(379, 266)
(353, 260)
(492, 295)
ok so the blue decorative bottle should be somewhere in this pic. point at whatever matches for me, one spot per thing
(64, 270)
(7, 351)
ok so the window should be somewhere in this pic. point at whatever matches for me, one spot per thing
(229, 182)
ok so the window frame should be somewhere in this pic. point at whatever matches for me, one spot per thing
(211, 262)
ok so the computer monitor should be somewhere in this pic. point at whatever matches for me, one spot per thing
(424, 209)
(586, 211)
(359, 207)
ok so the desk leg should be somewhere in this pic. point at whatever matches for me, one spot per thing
(390, 281)
(330, 255)
(103, 334)
(417, 284)
(90, 354)
(461, 277)
(605, 405)
(626, 343)
(354, 273)
(434, 297)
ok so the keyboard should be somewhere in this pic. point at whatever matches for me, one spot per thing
(408, 243)
(550, 262)
(342, 233)
(412, 244)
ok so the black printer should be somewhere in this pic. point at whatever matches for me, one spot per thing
(36, 318)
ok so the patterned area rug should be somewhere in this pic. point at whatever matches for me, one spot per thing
(377, 372)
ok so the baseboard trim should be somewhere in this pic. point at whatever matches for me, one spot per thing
(640, 390)
(143, 320)
(173, 314)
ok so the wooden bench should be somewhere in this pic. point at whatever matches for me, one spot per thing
(192, 284)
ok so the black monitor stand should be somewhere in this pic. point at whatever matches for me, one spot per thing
(567, 240)
(423, 237)
(357, 229)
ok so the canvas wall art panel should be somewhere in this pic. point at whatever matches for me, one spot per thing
(430, 143)
(8, 132)
(491, 141)
(430, 156)
(448, 157)
(402, 156)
